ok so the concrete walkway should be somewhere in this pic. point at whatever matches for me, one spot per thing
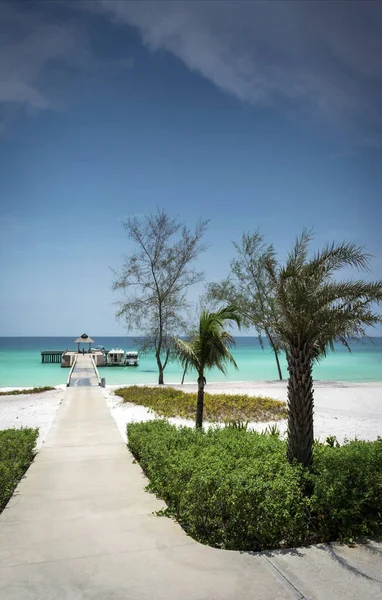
(80, 526)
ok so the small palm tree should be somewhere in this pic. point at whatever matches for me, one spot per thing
(191, 333)
(315, 310)
(208, 348)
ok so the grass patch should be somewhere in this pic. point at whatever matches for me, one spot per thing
(235, 489)
(16, 454)
(36, 390)
(169, 402)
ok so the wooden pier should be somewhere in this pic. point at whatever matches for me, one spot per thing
(67, 357)
(51, 356)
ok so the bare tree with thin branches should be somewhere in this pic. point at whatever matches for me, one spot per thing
(250, 288)
(155, 279)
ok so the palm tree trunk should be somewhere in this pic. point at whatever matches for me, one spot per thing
(200, 403)
(300, 406)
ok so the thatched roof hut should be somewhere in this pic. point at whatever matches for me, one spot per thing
(84, 339)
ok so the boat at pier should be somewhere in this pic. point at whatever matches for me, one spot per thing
(116, 358)
(121, 358)
(131, 358)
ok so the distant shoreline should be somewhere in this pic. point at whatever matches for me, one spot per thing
(225, 385)
(346, 410)
(123, 337)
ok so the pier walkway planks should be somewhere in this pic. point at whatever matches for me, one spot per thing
(81, 527)
(83, 373)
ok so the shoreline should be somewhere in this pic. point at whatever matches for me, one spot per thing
(343, 409)
(319, 383)
(244, 384)
(58, 386)
(346, 410)
(31, 410)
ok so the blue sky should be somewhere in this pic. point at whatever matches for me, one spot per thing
(252, 114)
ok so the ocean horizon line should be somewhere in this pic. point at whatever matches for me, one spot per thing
(368, 337)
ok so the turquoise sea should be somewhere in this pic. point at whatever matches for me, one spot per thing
(20, 363)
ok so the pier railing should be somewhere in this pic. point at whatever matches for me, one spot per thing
(71, 371)
(51, 356)
(95, 369)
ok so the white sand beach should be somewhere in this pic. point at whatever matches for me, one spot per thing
(31, 410)
(346, 410)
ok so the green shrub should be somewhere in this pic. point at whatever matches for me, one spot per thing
(37, 390)
(16, 453)
(347, 496)
(235, 489)
(169, 402)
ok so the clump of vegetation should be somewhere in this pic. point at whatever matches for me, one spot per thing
(16, 454)
(235, 489)
(347, 497)
(169, 402)
(36, 390)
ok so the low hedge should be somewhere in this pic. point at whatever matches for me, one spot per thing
(235, 489)
(169, 402)
(16, 454)
(37, 390)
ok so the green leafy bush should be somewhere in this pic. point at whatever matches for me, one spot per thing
(37, 390)
(16, 453)
(169, 402)
(347, 496)
(234, 489)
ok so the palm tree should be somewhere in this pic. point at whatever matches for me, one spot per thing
(208, 348)
(190, 334)
(315, 310)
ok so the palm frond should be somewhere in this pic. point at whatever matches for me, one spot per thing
(337, 256)
(299, 253)
(185, 353)
(228, 313)
(209, 346)
(314, 310)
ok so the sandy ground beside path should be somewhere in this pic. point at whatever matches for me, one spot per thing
(346, 410)
(31, 410)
